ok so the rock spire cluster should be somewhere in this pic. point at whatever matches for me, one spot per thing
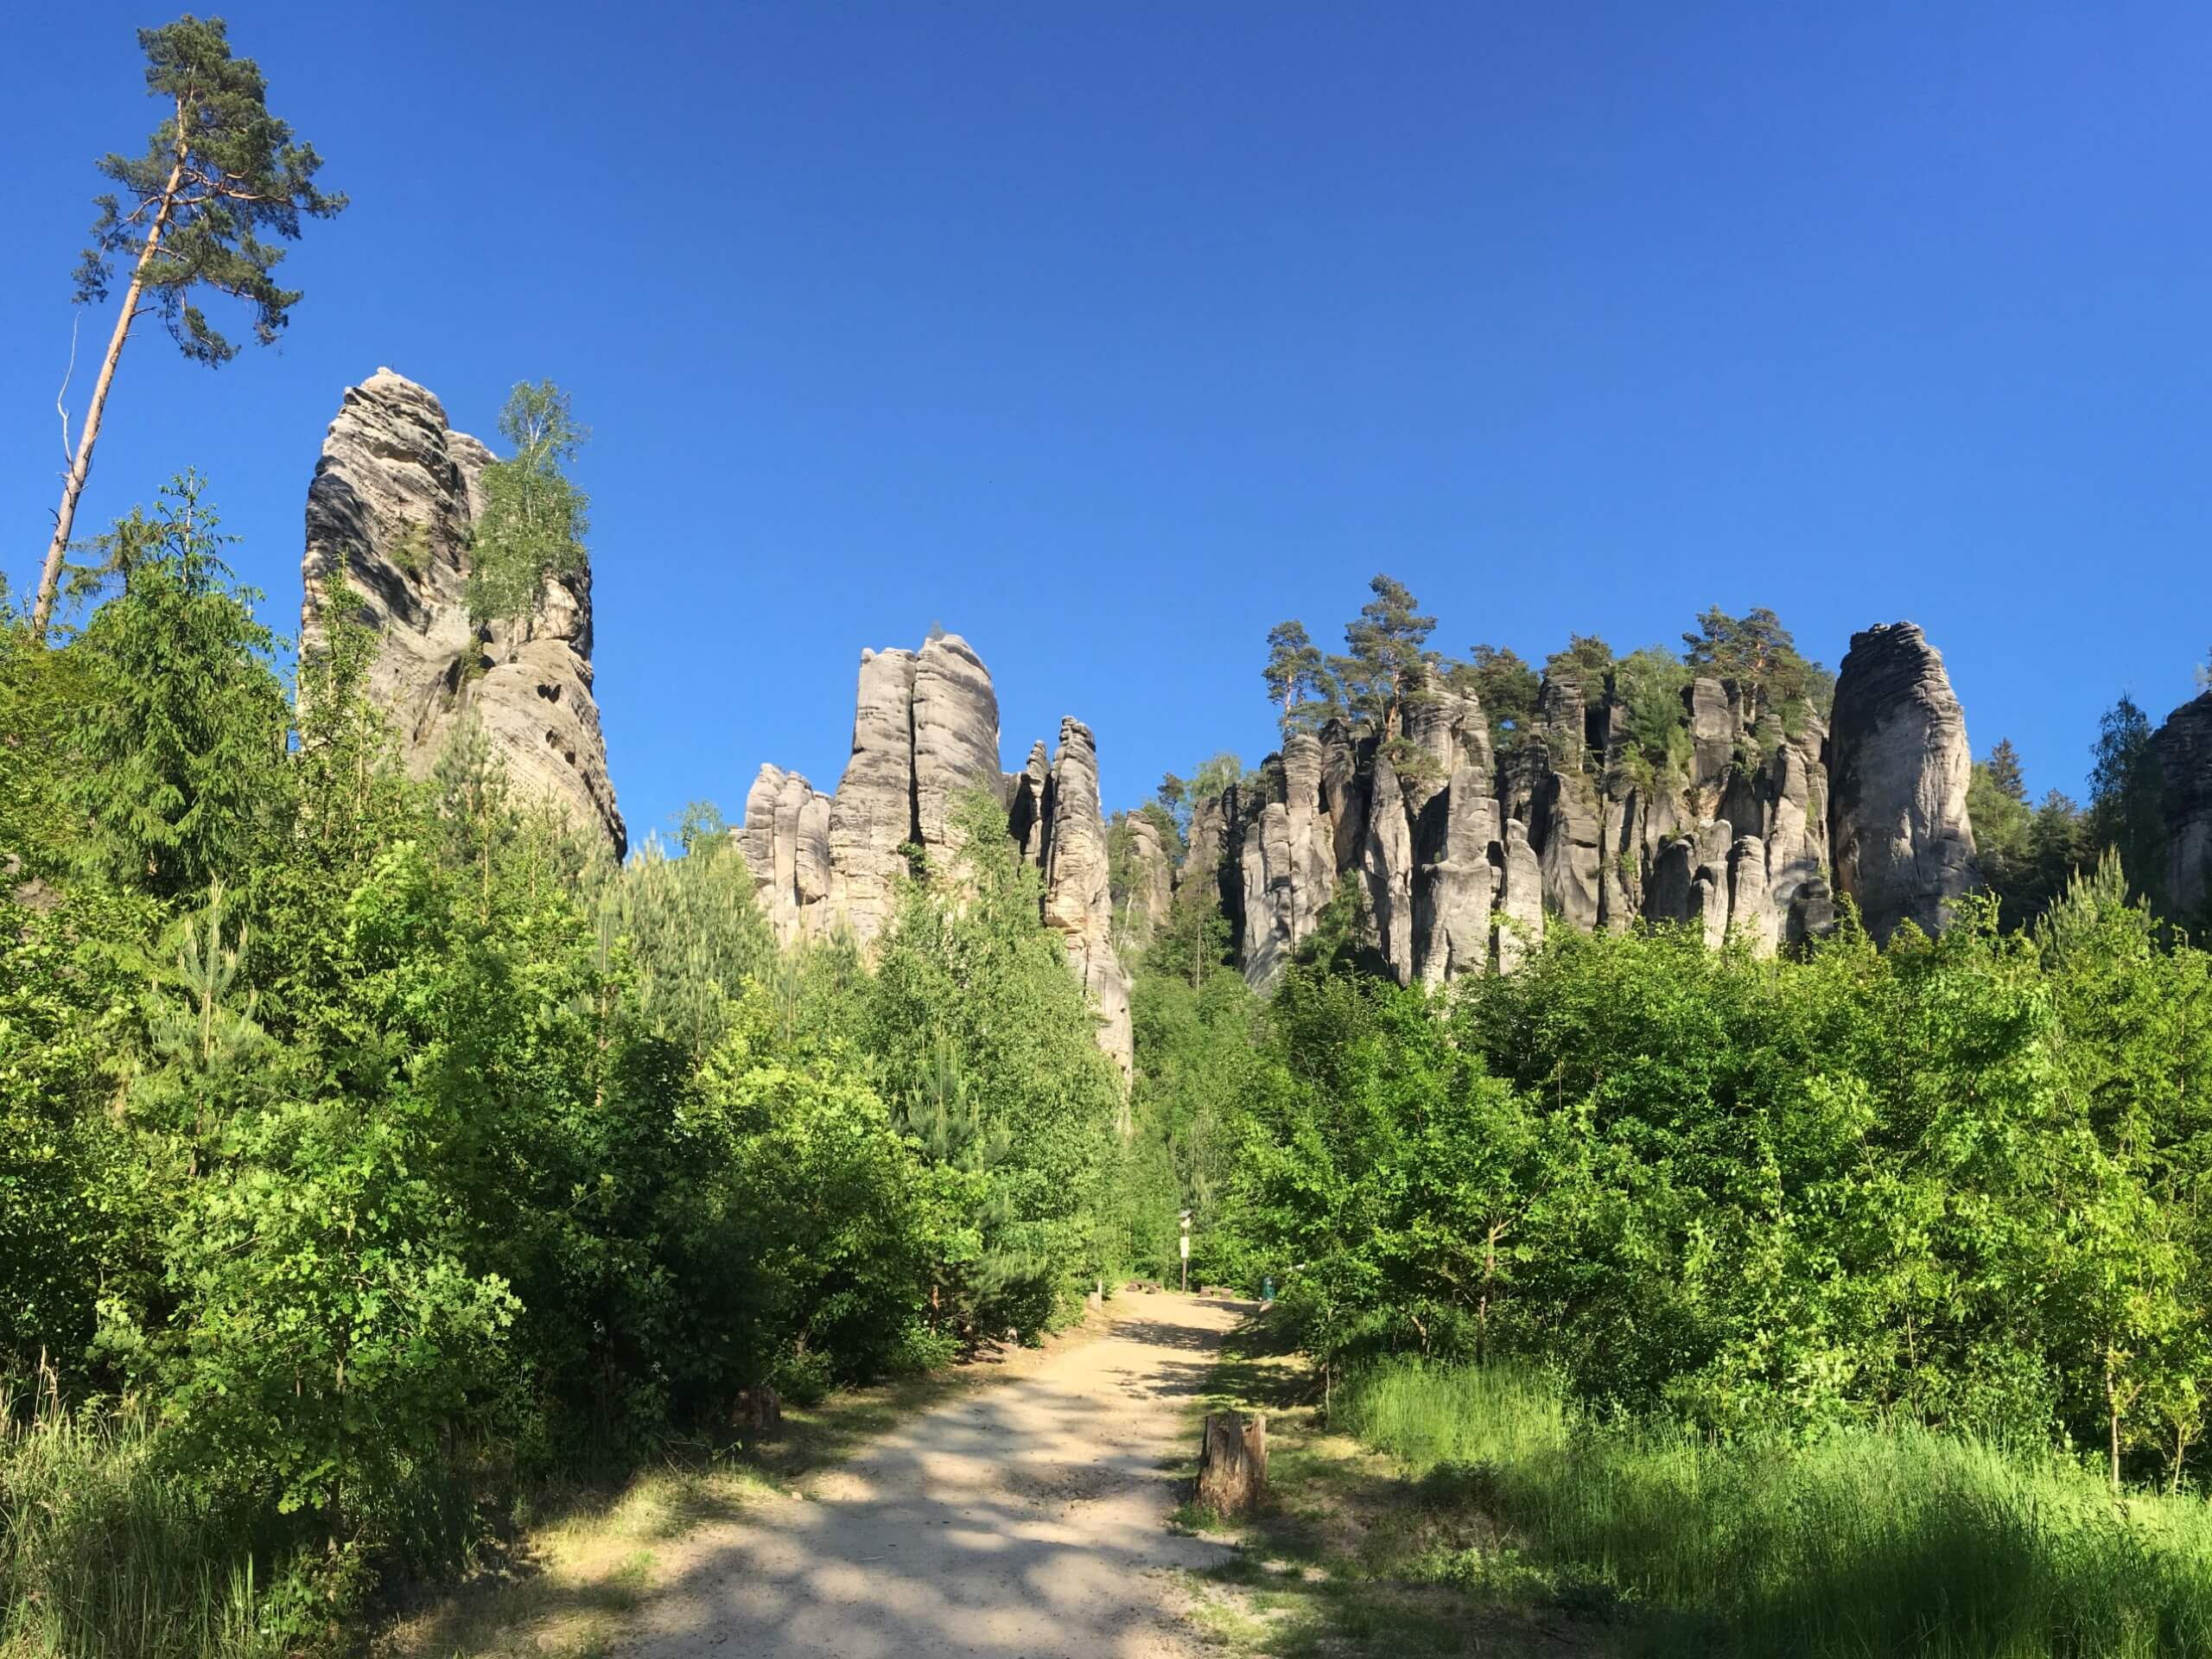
(925, 730)
(1462, 856)
(394, 498)
(1462, 849)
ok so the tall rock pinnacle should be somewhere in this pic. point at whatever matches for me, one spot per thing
(925, 730)
(392, 502)
(1899, 765)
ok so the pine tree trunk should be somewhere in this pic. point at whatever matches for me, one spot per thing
(80, 467)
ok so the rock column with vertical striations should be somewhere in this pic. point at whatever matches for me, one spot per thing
(395, 497)
(1078, 897)
(872, 815)
(924, 732)
(786, 843)
(1733, 823)
(1152, 879)
(1898, 766)
(955, 725)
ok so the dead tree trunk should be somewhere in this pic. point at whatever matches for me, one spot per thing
(1232, 1462)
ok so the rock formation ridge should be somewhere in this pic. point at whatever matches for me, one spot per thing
(1462, 856)
(393, 500)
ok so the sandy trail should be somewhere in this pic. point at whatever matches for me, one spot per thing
(1025, 1519)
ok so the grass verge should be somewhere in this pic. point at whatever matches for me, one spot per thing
(1862, 1541)
(1451, 1510)
(1348, 1555)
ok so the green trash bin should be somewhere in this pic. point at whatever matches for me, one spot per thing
(1267, 1289)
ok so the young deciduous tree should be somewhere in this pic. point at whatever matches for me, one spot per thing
(220, 173)
(532, 531)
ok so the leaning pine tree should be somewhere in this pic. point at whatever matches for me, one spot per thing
(219, 172)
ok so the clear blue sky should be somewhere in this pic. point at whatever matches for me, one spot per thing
(1110, 335)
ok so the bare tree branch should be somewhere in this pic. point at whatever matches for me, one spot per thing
(60, 406)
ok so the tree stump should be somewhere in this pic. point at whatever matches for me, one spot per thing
(758, 1409)
(1232, 1462)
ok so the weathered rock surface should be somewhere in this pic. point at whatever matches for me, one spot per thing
(872, 814)
(785, 841)
(1463, 855)
(956, 723)
(1152, 885)
(1521, 898)
(1078, 889)
(1898, 766)
(925, 731)
(393, 501)
(2183, 749)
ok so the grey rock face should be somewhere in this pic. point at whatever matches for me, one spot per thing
(1078, 897)
(394, 499)
(872, 815)
(1387, 866)
(1286, 859)
(924, 732)
(956, 723)
(1456, 883)
(1666, 896)
(2183, 749)
(786, 843)
(1796, 838)
(1565, 825)
(1521, 900)
(1025, 805)
(1152, 885)
(1899, 765)
(1713, 741)
(1750, 908)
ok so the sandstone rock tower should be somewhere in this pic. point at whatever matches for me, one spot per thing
(392, 502)
(926, 729)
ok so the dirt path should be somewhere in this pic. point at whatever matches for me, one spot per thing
(1024, 1520)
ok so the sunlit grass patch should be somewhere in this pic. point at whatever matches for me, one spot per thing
(1859, 1541)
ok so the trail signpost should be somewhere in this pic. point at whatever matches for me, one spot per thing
(1186, 1243)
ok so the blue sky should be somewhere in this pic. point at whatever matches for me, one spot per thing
(1110, 335)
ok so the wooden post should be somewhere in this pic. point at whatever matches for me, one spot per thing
(1232, 1462)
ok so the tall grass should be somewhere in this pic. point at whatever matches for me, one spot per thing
(1862, 1542)
(103, 1553)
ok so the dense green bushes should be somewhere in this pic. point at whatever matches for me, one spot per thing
(380, 1147)
(1956, 1182)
